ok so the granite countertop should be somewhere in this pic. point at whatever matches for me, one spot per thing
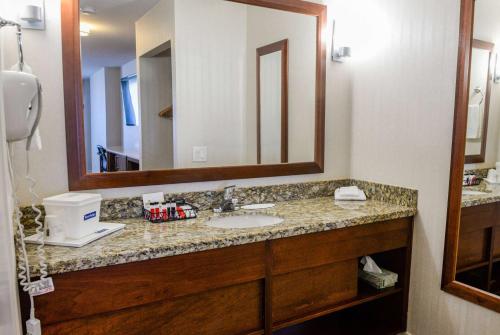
(489, 194)
(141, 240)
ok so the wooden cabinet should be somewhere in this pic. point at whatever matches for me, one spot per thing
(479, 247)
(120, 163)
(284, 286)
(117, 162)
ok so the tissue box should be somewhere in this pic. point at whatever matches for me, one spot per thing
(382, 280)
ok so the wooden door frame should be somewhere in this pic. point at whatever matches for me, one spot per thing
(262, 51)
(448, 281)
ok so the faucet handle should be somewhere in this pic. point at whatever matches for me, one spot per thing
(228, 192)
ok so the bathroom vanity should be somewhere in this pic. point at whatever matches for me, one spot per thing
(298, 277)
(478, 262)
(246, 79)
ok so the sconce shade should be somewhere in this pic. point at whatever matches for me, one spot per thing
(31, 14)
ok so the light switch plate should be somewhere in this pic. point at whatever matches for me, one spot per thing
(200, 154)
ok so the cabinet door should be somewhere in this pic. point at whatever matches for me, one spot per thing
(132, 164)
(304, 292)
(475, 235)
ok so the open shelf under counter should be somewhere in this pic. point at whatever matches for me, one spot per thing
(366, 294)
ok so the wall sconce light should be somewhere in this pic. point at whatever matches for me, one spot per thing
(32, 14)
(341, 53)
(84, 29)
(88, 10)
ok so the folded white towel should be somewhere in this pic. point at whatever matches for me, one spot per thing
(350, 193)
(474, 122)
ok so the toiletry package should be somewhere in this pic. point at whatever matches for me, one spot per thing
(471, 180)
(157, 210)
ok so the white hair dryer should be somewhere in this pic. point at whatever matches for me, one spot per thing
(22, 105)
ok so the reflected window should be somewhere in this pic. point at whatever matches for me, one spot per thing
(130, 99)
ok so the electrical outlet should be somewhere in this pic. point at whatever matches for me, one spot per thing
(200, 154)
(42, 286)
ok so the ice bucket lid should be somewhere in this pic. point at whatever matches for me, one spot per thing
(72, 199)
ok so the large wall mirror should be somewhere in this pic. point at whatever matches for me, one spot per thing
(472, 254)
(167, 91)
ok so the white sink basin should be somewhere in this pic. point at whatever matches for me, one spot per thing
(243, 221)
(470, 192)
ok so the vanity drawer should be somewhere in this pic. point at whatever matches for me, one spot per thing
(233, 310)
(477, 217)
(477, 223)
(473, 248)
(313, 250)
(84, 293)
(303, 292)
(496, 246)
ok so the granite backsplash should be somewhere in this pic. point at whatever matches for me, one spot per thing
(123, 208)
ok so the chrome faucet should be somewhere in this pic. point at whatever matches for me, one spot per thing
(228, 204)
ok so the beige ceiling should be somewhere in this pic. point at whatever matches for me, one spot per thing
(112, 39)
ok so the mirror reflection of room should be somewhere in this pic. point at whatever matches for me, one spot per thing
(478, 262)
(184, 84)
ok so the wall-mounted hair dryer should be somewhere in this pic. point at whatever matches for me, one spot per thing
(22, 102)
(22, 105)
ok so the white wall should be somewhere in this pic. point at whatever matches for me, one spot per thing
(210, 80)
(97, 115)
(403, 105)
(266, 26)
(156, 95)
(156, 29)
(270, 114)
(87, 119)
(114, 114)
(106, 118)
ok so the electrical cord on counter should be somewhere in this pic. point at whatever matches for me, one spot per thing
(41, 229)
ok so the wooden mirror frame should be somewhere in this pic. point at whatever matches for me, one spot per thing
(267, 50)
(481, 157)
(448, 282)
(79, 179)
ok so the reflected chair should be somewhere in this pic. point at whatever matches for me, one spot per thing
(103, 158)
